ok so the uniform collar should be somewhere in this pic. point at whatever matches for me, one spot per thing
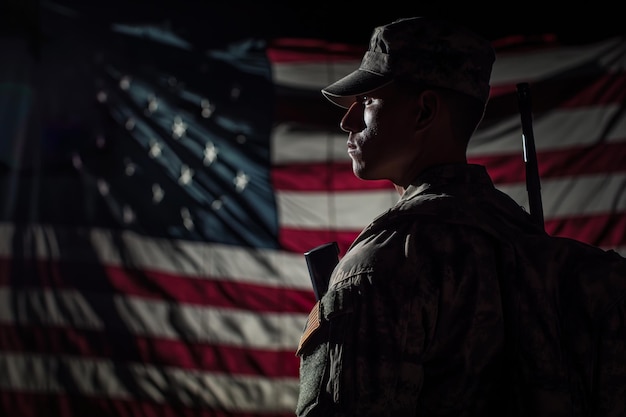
(442, 175)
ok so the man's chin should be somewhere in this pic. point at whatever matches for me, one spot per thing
(365, 176)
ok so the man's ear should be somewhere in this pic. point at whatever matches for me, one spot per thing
(427, 106)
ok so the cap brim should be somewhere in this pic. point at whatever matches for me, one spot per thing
(344, 91)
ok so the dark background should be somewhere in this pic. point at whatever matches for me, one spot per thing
(211, 23)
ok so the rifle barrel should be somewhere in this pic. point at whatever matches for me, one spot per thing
(533, 183)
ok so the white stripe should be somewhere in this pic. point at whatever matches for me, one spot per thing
(563, 197)
(349, 210)
(529, 66)
(509, 68)
(292, 144)
(311, 75)
(105, 379)
(575, 196)
(558, 129)
(619, 249)
(193, 259)
(158, 319)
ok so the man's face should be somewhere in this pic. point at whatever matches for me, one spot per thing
(382, 142)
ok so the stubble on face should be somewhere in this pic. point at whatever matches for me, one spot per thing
(384, 147)
(361, 155)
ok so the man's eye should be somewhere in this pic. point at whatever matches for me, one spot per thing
(365, 99)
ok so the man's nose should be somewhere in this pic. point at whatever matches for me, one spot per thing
(352, 121)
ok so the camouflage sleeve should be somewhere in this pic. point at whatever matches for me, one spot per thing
(410, 324)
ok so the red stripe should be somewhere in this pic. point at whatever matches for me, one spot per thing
(530, 43)
(320, 176)
(587, 89)
(26, 404)
(602, 158)
(307, 108)
(296, 50)
(590, 86)
(300, 241)
(603, 230)
(121, 346)
(104, 279)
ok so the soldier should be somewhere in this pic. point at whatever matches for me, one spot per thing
(448, 304)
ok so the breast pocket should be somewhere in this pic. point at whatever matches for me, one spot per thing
(326, 371)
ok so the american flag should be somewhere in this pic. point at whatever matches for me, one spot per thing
(157, 200)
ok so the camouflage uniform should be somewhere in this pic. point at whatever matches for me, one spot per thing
(448, 305)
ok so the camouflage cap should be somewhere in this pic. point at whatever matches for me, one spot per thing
(425, 50)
